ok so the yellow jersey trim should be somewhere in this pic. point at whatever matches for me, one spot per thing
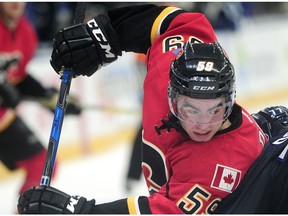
(131, 205)
(155, 32)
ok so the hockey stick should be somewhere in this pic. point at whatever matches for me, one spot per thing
(60, 110)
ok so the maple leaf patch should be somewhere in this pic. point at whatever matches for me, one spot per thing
(226, 178)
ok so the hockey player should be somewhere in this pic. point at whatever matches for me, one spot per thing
(198, 143)
(19, 147)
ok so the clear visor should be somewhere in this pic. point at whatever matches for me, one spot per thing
(200, 111)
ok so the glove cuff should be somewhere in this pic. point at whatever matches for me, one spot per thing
(79, 205)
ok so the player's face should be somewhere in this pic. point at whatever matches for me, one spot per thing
(12, 10)
(201, 118)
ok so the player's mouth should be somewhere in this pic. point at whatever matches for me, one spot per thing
(202, 135)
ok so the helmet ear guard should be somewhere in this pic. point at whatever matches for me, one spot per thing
(202, 71)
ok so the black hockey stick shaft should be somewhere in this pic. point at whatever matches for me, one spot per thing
(60, 109)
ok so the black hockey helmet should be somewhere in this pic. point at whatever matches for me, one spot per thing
(202, 71)
(272, 120)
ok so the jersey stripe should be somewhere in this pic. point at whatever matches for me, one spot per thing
(133, 207)
(155, 32)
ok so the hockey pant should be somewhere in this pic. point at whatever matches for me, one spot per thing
(19, 148)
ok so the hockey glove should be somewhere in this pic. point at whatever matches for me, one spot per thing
(85, 47)
(6, 62)
(272, 120)
(9, 96)
(48, 200)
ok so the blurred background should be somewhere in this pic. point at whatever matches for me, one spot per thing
(95, 147)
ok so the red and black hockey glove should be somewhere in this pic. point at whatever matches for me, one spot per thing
(86, 47)
(48, 200)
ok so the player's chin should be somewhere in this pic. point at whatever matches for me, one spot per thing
(201, 137)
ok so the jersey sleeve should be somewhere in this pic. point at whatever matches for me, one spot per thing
(138, 27)
(135, 24)
(156, 204)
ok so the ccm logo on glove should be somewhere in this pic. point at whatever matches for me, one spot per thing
(100, 38)
(72, 203)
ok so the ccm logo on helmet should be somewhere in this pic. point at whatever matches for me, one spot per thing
(100, 38)
(203, 88)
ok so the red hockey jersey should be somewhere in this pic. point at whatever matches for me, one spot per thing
(195, 176)
(21, 44)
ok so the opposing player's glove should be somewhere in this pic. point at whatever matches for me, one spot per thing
(86, 47)
(48, 200)
(272, 120)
